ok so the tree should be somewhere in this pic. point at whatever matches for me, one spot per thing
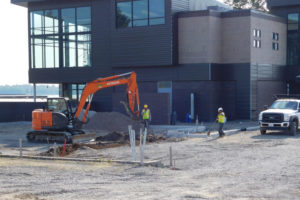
(122, 20)
(255, 4)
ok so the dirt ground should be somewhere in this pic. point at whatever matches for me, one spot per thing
(241, 166)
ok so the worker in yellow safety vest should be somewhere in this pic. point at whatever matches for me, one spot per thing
(221, 119)
(146, 115)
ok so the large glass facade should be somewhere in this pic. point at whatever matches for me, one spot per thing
(293, 39)
(44, 39)
(131, 13)
(73, 91)
(60, 38)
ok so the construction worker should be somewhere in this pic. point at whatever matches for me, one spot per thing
(146, 114)
(221, 120)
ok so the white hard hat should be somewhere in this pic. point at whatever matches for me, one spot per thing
(220, 109)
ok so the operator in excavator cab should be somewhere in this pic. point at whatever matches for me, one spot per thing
(146, 114)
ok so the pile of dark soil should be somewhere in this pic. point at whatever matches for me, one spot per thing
(124, 138)
(111, 121)
(74, 147)
(70, 148)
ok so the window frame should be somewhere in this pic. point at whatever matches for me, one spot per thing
(60, 34)
(295, 60)
(132, 16)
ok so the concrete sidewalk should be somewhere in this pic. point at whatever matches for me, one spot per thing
(200, 130)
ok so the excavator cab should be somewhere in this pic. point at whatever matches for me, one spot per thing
(57, 104)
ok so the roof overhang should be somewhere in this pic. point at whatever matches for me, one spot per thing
(24, 2)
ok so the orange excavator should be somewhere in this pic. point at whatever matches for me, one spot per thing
(59, 123)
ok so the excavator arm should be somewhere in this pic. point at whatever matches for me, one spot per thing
(92, 87)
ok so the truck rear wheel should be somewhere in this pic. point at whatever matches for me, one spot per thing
(293, 128)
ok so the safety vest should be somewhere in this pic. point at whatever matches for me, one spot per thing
(146, 114)
(221, 118)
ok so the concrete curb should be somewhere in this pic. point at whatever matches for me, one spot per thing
(227, 132)
(155, 163)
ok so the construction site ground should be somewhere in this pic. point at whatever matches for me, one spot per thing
(245, 165)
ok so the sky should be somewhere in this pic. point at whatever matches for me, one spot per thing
(13, 44)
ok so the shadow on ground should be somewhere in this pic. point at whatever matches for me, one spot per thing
(276, 135)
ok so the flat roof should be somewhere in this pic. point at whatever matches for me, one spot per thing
(231, 13)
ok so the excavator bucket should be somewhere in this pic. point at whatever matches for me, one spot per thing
(134, 117)
(83, 137)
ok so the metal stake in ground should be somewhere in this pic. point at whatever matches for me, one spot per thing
(134, 149)
(145, 139)
(20, 147)
(141, 147)
(132, 144)
(54, 150)
(171, 157)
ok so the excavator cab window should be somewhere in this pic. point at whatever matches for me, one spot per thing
(57, 105)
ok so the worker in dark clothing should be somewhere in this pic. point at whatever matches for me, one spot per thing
(146, 114)
(221, 120)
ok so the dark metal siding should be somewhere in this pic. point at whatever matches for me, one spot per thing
(18, 111)
(263, 77)
(241, 74)
(180, 5)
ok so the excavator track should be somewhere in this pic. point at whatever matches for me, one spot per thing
(49, 136)
(73, 136)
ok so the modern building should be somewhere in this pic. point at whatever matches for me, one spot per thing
(201, 53)
(289, 10)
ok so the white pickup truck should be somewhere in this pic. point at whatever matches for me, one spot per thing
(284, 114)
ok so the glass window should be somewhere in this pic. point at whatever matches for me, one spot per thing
(140, 12)
(51, 52)
(51, 21)
(156, 8)
(275, 46)
(275, 36)
(293, 21)
(293, 48)
(293, 39)
(156, 12)
(258, 44)
(258, 33)
(36, 22)
(69, 50)
(84, 50)
(83, 19)
(48, 37)
(37, 47)
(76, 90)
(124, 12)
(68, 20)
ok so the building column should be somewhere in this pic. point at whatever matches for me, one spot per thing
(34, 92)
